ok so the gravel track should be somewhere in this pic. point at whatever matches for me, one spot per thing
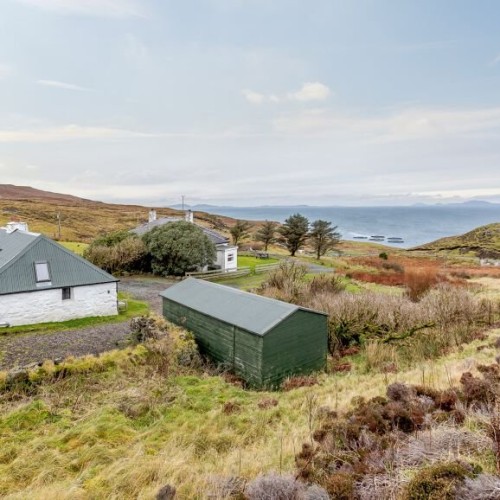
(22, 350)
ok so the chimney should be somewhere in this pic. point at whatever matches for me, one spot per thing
(13, 226)
(152, 216)
(188, 216)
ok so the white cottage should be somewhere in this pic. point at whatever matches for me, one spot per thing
(41, 281)
(227, 254)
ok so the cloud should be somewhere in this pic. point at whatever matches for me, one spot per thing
(67, 133)
(5, 71)
(63, 85)
(311, 91)
(95, 8)
(253, 97)
(402, 125)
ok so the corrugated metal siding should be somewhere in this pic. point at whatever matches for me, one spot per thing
(223, 342)
(66, 269)
(299, 344)
(12, 244)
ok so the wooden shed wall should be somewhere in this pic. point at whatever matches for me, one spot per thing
(223, 342)
(299, 344)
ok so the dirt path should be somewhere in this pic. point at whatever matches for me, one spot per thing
(22, 350)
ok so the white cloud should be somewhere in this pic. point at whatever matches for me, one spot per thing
(68, 132)
(95, 8)
(253, 97)
(63, 85)
(5, 71)
(311, 91)
(403, 125)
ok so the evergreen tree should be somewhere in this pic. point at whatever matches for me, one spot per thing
(294, 232)
(239, 231)
(323, 237)
(266, 234)
(178, 247)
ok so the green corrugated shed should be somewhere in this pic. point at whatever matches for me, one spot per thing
(20, 250)
(263, 340)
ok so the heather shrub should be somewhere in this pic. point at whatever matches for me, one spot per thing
(437, 482)
(482, 487)
(274, 487)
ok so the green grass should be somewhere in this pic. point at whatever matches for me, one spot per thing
(74, 246)
(250, 261)
(134, 308)
(247, 282)
(122, 431)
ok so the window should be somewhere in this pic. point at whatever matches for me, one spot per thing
(42, 272)
(66, 293)
(230, 257)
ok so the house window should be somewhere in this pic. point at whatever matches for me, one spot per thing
(66, 293)
(230, 257)
(42, 272)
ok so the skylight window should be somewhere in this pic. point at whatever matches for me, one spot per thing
(42, 272)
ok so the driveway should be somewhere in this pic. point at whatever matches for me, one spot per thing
(21, 350)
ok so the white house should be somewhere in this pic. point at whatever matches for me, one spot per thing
(41, 281)
(227, 254)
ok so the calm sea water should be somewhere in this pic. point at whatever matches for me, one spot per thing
(415, 225)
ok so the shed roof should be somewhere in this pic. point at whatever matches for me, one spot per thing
(20, 250)
(251, 312)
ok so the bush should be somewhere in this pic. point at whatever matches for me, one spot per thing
(437, 482)
(274, 487)
(125, 255)
(419, 281)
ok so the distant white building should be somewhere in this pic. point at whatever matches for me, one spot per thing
(227, 254)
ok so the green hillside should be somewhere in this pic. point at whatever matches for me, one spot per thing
(483, 241)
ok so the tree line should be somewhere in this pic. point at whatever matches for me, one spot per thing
(294, 233)
(178, 247)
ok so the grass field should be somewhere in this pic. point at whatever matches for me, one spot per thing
(250, 261)
(74, 246)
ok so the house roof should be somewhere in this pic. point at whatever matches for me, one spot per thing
(215, 238)
(20, 250)
(251, 312)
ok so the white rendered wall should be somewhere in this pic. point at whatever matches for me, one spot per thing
(223, 254)
(45, 306)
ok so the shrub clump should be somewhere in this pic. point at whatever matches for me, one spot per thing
(438, 482)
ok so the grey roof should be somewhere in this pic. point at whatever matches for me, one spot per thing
(251, 312)
(147, 226)
(12, 244)
(20, 250)
(215, 238)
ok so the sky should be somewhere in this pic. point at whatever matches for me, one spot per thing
(252, 102)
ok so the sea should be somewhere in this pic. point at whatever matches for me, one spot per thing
(403, 227)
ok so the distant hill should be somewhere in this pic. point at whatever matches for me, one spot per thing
(81, 219)
(11, 192)
(484, 241)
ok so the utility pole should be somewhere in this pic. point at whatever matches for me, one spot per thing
(183, 202)
(58, 225)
